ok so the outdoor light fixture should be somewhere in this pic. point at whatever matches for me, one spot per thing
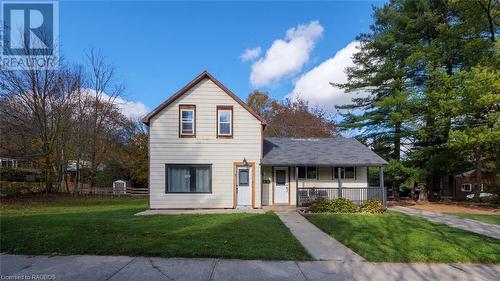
(245, 162)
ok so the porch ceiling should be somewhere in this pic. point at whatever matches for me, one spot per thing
(338, 151)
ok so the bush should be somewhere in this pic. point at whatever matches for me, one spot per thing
(492, 199)
(343, 205)
(15, 188)
(373, 206)
(320, 205)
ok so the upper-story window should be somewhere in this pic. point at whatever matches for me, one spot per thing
(187, 121)
(224, 121)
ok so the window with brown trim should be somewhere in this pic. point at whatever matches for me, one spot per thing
(224, 121)
(187, 121)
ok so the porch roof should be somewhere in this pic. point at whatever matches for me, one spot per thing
(338, 151)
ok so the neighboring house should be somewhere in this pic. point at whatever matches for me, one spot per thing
(17, 163)
(465, 183)
(207, 150)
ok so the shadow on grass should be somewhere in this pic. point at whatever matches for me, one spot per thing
(396, 237)
(118, 232)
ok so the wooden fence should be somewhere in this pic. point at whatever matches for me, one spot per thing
(117, 191)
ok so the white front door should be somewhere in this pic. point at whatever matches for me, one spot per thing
(281, 185)
(244, 186)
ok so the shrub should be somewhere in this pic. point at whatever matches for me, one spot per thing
(373, 206)
(343, 205)
(320, 205)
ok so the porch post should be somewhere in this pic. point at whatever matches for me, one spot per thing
(384, 197)
(339, 182)
(296, 186)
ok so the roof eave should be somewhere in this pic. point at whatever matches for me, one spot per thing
(328, 164)
(205, 74)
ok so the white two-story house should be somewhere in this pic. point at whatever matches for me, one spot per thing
(207, 150)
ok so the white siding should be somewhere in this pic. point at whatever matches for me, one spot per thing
(267, 188)
(167, 148)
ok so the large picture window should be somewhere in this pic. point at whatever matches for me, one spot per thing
(186, 178)
(224, 121)
(187, 121)
(345, 172)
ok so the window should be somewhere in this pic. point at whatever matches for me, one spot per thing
(187, 121)
(224, 121)
(467, 187)
(301, 172)
(185, 178)
(280, 177)
(243, 177)
(345, 172)
(310, 173)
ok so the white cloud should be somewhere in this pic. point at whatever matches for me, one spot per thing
(314, 85)
(251, 54)
(131, 109)
(286, 56)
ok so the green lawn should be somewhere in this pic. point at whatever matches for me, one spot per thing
(395, 237)
(106, 226)
(493, 219)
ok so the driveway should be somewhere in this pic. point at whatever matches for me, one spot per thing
(454, 221)
(119, 268)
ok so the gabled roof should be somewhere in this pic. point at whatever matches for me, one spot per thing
(338, 151)
(191, 84)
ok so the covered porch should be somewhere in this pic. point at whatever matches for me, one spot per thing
(298, 171)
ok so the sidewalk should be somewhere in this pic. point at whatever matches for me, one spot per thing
(453, 221)
(119, 268)
(319, 244)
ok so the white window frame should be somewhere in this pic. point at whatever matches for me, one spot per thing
(192, 133)
(466, 184)
(342, 173)
(219, 122)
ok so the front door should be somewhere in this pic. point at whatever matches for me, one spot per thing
(281, 185)
(244, 186)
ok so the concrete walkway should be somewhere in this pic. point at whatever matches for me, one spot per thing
(453, 221)
(320, 245)
(119, 268)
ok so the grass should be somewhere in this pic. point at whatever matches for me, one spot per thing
(493, 219)
(106, 226)
(395, 237)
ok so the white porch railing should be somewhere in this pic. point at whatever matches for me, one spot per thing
(358, 195)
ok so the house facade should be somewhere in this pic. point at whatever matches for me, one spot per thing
(207, 150)
(466, 183)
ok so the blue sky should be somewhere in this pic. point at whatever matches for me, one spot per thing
(158, 47)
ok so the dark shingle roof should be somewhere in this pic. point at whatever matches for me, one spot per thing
(338, 151)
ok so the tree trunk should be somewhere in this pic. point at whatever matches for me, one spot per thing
(76, 180)
(423, 195)
(477, 188)
(48, 183)
(397, 157)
